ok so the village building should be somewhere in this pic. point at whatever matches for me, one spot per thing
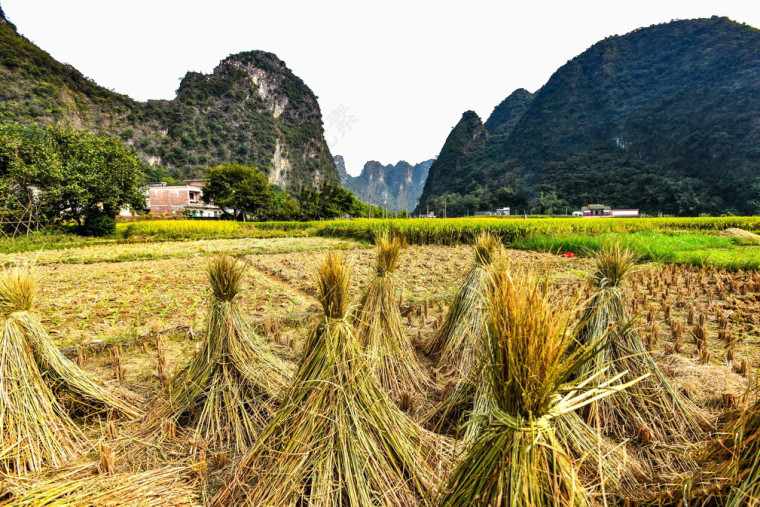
(601, 210)
(188, 198)
(506, 211)
(203, 210)
(170, 199)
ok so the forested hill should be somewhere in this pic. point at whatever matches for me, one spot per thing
(665, 118)
(251, 110)
(393, 187)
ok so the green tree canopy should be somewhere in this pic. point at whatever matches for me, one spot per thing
(94, 176)
(243, 189)
(79, 175)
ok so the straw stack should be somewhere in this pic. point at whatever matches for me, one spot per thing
(38, 384)
(389, 352)
(337, 439)
(652, 410)
(230, 389)
(456, 345)
(517, 457)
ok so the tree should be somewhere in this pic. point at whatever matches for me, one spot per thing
(24, 156)
(281, 205)
(91, 178)
(549, 202)
(330, 201)
(243, 189)
(335, 201)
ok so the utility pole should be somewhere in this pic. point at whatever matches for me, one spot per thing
(444, 207)
(369, 205)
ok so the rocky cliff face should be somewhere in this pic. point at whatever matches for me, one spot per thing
(250, 110)
(395, 187)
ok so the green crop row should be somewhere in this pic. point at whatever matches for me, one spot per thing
(463, 230)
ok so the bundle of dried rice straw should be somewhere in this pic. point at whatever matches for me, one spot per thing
(337, 439)
(230, 389)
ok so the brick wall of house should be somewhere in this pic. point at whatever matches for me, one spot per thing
(169, 199)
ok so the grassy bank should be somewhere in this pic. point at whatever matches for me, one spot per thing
(695, 249)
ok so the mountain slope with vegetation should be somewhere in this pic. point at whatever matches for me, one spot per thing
(450, 169)
(506, 115)
(665, 119)
(250, 110)
(393, 187)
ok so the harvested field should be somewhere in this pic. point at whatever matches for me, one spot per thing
(125, 307)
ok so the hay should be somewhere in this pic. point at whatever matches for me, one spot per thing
(79, 393)
(155, 488)
(337, 438)
(652, 410)
(517, 456)
(230, 389)
(389, 352)
(38, 384)
(732, 472)
(743, 463)
(742, 236)
(35, 430)
(597, 460)
(456, 345)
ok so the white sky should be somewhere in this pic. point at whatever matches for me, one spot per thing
(398, 73)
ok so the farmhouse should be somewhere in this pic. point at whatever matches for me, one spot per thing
(499, 212)
(168, 199)
(601, 210)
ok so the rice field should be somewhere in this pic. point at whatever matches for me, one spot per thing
(692, 241)
(146, 316)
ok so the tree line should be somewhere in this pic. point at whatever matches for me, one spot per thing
(75, 177)
(244, 193)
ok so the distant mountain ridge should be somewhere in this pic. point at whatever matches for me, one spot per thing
(394, 187)
(251, 110)
(665, 119)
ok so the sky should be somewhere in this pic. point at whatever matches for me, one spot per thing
(392, 76)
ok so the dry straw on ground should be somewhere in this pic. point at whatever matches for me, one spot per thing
(40, 388)
(337, 439)
(229, 390)
(155, 488)
(456, 345)
(389, 351)
(732, 473)
(517, 456)
(652, 410)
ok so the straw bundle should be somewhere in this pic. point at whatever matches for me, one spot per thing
(744, 443)
(155, 488)
(337, 438)
(35, 379)
(517, 457)
(388, 351)
(230, 389)
(653, 409)
(734, 465)
(456, 344)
